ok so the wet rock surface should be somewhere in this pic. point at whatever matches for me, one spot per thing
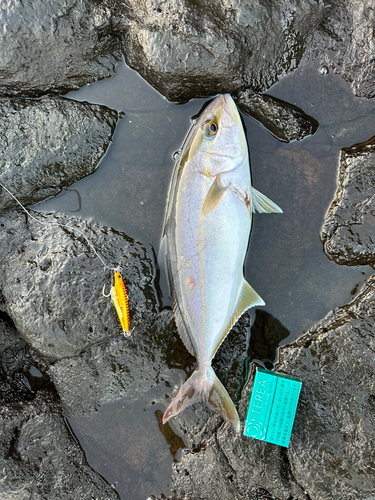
(22, 371)
(52, 282)
(60, 338)
(120, 367)
(194, 48)
(345, 43)
(54, 46)
(39, 458)
(334, 426)
(349, 227)
(284, 121)
(37, 450)
(330, 454)
(48, 144)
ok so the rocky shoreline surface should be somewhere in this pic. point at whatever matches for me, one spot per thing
(60, 344)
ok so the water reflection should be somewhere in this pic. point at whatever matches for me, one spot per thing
(285, 264)
(124, 443)
(174, 442)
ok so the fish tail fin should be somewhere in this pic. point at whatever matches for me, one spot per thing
(204, 385)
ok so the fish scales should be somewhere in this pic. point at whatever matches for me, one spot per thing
(206, 234)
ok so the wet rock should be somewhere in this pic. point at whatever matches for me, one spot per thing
(345, 43)
(228, 466)
(349, 226)
(39, 458)
(48, 144)
(284, 121)
(336, 363)
(195, 49)
(120, 368)
(22, 371)
(54, 46)
(334, 427)
(52, 282)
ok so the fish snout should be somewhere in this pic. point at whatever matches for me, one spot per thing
(230, 116)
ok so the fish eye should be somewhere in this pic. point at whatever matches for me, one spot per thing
(212, 128)
(119, 276)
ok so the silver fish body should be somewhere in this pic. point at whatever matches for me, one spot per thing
(206, 234)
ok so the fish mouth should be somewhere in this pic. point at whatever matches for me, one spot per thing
(230, 116)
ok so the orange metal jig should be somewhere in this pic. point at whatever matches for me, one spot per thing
(120, 300)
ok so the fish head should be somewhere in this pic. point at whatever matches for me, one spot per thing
(217, 142)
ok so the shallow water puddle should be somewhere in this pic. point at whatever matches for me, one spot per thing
(124, 444)
(286, 264)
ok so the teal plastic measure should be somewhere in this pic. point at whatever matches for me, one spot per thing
(272, 407)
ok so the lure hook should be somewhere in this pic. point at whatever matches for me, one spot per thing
(106, 295)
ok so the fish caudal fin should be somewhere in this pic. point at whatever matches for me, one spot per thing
(205, 386)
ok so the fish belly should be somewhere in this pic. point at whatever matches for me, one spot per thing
(210, 252)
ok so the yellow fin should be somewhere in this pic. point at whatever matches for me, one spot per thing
(262, 204)
(213, 197)
(246, 299)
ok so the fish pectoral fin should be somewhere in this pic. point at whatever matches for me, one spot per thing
(260, 203)
(214, 195)
(247, 298)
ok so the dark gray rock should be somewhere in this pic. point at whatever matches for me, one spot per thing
(284, 121)
(345, 43)
(22, 371)
(120, 368)
(334, 427)
(52, 282)
(48, 144)
(54, 46)
(196, 48)
(40, 459)
(330, 455)
(349, 226)
(37, 450)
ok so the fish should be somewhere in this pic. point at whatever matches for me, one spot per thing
(205, 238)
(119, 296)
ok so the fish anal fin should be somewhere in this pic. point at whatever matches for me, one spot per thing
(247, 298)
(162, 259)
(181, 327)
(260, 203)
(213, 197)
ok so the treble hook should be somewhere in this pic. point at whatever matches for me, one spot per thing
(104, 293)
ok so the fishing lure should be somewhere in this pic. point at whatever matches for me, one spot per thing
(118, 292)
(120, 300)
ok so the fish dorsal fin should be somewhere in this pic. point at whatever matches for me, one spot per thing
(181, 327)
(260, 203)
(213, 197)
(247, 298)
